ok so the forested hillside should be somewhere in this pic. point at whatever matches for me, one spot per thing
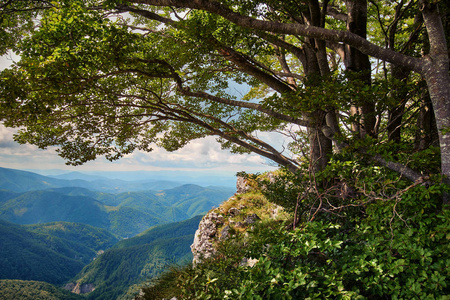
(137, 259)
(82, 234)
(63, 229)
(29, 255)
(33, 290)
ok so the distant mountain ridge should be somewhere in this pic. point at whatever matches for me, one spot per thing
(24, 181)
(202, 178)
(125, 214)
(52, 228)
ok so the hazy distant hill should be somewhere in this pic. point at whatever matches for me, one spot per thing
(45, 206)
(23, 181)
(33, 290)
(180, 177)
(124, 214)
(194, 199)
(136, 259)
(78, 175)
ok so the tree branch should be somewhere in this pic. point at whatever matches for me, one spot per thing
(349, 38)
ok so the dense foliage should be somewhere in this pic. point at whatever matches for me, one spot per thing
(81, 234)
(28, 255)
(367, 111)
(138, 74)
(383, 242)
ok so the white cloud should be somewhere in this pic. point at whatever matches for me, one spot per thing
(199, 155)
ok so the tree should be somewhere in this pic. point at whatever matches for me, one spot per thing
(95, 81)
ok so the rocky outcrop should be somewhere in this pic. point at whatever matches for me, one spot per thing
(234, 216)
(203, 247)
(78, 288)
(242, 185)
(208, 234)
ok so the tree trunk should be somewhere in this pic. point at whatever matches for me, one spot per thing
(321, 146)
(436, 73)
(395, 114)
(426, 134)
(316, 64)
(356, 61)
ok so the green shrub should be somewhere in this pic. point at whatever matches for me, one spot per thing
(387, 240)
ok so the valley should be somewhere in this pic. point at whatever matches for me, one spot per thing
(81, 236)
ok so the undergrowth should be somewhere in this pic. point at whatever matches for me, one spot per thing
(353, 232)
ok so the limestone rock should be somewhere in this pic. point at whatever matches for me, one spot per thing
(242, 185)
(80, 289)
(225, 233)
(252, 219)
(234, 212)
(239, 225)
(203, 247)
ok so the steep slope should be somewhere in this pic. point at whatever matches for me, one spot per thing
(127, 222)
(46, 206)
(134, 260)
(52, 252)
(86, 235)
(124, 214)
(28, 255)
(6, 195)
(33, 290)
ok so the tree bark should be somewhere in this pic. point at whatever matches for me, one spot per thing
(395, 114)
(436, 73)
(358, 62)
(426, 133)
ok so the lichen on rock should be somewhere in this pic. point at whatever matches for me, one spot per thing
(235, 216)
(203, 247)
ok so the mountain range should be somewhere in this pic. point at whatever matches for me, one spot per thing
(125, 214)
(24, 181)
(94, 235)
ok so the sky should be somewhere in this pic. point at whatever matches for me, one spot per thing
(199, 156)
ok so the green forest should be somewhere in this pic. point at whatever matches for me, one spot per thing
(33, 290)
(357, 92)
(38, 257)
(121, 271)
(124, 214)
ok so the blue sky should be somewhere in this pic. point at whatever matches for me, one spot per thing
(199, 156)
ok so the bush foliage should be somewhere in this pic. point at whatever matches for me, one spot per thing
(356, 231)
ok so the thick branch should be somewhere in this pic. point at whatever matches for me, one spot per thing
(296, 29)
(187, 92)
